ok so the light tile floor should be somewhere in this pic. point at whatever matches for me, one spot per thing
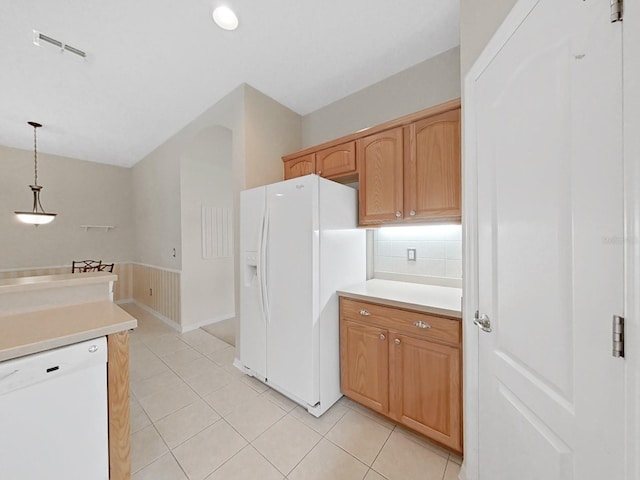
(196, 417)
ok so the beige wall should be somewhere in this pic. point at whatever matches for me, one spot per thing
(157, 183)
(428, 83)
(81, 193)
(206, 179)
(262, 132)
(479, 20)
(271, 131)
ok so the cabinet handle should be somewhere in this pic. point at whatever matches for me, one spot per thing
(382, 337)
(398, 214)
(319, 172)
(412, 213)
(397, 341)
(421, 324)
(364, 313)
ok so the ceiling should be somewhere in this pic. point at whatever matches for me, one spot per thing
(154, 65)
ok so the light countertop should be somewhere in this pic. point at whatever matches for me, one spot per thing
(424, 298)
(10, 285)
(26, 333)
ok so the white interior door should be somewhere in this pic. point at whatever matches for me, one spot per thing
(548, 114)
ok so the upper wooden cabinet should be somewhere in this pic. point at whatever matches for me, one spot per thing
(412, 173)
(409, 169)
(336, 161)
(432, 181)
(332, 162)
(380, 194)
(300, 166)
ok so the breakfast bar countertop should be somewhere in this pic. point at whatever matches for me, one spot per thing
(31, 332)
(432, 299)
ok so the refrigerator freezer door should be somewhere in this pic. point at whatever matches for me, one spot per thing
(292, 288)
(253, 327)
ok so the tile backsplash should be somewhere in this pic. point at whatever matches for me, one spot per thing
(438, 252)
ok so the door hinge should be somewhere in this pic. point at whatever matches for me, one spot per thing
(616, 10)
(618, 336)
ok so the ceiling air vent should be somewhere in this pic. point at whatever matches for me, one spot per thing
(39, 38)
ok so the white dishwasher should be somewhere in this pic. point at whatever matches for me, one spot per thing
(53, 414)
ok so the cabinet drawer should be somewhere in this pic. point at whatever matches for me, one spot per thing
(403, 321)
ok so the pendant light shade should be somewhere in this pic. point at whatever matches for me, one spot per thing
(37, 215)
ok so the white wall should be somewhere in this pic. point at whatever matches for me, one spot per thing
(206, 179)
(81, 193)
(426, 84)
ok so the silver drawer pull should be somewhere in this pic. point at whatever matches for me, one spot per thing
(364, 313)
(421, 324)
(382, 337)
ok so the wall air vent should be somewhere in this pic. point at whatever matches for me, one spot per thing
(40, 38)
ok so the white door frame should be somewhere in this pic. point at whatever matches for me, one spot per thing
(631, 118)
(631, 95)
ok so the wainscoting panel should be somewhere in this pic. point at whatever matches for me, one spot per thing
(122, 289)
(157, 289)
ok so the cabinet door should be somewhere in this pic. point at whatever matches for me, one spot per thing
(336, 161)
(364, 365)
(425, 388)
(300, 166)
(433, 182)
(380, 163)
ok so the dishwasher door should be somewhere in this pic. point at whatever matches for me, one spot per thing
(53, 414)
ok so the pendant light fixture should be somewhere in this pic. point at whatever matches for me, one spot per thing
(37, 216)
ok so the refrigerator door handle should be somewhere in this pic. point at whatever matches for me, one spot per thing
(260, 268)
(264, 244)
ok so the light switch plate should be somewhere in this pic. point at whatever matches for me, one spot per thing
(411, 254)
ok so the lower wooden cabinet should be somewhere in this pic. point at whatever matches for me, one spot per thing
(424, 385)
(365, 356)
(396, 362)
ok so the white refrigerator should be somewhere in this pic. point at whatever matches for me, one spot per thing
(299, 244)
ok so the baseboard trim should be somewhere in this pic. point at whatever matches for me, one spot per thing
(204, 323)
(463, 474)
(164, 319)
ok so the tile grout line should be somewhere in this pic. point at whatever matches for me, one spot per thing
(170, 452)
(153, 423)
(347, 408)
(310, 450)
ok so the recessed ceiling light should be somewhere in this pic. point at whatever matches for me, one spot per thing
(225, 18)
